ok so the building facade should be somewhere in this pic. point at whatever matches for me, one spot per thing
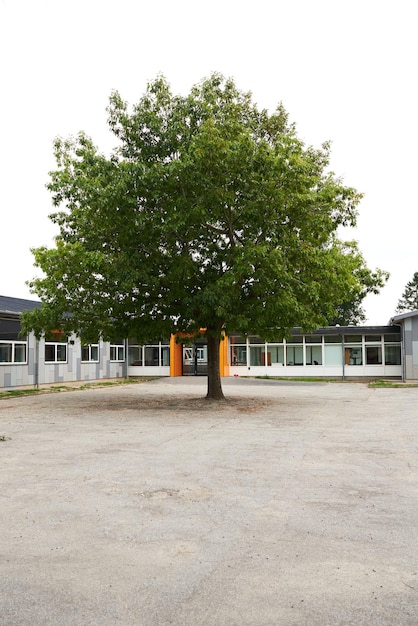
(351, 352)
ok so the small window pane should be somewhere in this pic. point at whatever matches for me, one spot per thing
(393, 337)
(332, 338)
(370, 338)
(256, 339)
(5, 352)
(352, 338)
(94, 352)
(295, 339)
(49, 352)
(61, 352)
(85, 353)
(234, 339)
(20, 353)
(313, 338)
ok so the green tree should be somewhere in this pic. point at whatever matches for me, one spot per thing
(409, 299)
(209, 214)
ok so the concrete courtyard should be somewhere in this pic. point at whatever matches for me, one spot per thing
(289, 504)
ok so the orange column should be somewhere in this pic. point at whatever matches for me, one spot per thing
(223, 356)
(176, 357)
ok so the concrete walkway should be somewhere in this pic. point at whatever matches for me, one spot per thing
(290, 504)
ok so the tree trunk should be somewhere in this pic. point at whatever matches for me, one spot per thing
(214, 376)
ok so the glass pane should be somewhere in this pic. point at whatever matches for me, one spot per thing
(135, 355)
(255, 339)
(353, 356)
(392, 355)
(10, 329)
(295, 339)
(49, 352)
(20, 353)
(85, 353)
(255, 356)
(121, 353)
(276, 355)
(238, 355)
(370, 338)
(373, 355)
(392, 337)
(352, 338)
(332, 338)
(313, 338)
(333, 355)
(165, 355)
(294, 355)
(94, 352)
(151, 355)
(313, 355)
(234, 339)
(5, 352)
(61, 352)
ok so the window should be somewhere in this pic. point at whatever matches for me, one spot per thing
(135, 355)
(239, 355)
(55, 352)
(294, 355)
(332, 354)
(154, 356)
(392, 355)
(353, 355)
(90, 353)
(374, 355)
(256, 355)
(275, 355)
(13, 351)
(117, 351)
(313, 355)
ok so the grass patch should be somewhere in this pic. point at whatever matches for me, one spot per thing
(378, 384)
(13, 393)
(303, 379)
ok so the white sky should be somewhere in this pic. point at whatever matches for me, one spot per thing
(345, 70)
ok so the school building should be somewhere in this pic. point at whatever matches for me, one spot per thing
(341, 352)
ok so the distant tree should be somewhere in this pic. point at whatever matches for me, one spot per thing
(351, 310)
(209, 214)
(409, 299)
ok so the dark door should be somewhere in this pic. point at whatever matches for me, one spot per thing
(195, 359)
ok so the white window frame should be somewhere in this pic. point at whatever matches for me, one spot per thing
(116, 347)
(55, 344)
(13, 345)
(89, 346)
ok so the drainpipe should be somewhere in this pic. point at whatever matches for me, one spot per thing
(343, 349)
(125, 364)
(36, 364)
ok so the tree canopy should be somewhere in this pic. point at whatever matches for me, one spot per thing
(409, 299)
(210, 213)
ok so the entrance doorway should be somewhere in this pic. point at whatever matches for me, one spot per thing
(195, 359)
